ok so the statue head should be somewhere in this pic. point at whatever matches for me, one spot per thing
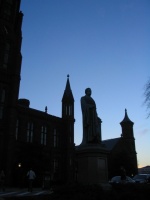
(88, 91)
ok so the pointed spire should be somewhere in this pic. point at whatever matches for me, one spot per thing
(126, 118)
(68, 88)
(68, 92)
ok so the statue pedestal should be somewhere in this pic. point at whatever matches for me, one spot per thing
(92, 164)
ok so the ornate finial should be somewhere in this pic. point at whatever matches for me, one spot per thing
(68, 76)
(46, 109)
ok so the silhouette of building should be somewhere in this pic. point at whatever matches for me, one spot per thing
(144, 170)
(122, 150)
(33, 138)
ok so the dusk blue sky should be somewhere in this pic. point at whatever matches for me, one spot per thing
(101, 44)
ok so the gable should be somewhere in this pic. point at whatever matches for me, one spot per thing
(110, 143)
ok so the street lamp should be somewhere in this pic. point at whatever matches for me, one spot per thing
(19, 165)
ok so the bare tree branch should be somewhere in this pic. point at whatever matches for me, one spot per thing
(147, 97)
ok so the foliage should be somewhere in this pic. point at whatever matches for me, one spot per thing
(147, 96)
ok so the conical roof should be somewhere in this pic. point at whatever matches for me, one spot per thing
(126, 118)
(68, 96)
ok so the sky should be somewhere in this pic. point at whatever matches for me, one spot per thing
(101, 44)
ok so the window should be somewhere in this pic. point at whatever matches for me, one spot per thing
(30, 132)
(55, 138)
(43, 135)
(70, 161)
(2, 96)
(1, 111)
(2, 100)
(55, 165)
(7, 47)
(6, 55)
(17, 127)
(70, 139)
(7, 10)
(70, 128)
(70, 110)
(66, 110)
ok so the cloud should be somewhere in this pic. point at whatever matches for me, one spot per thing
(144, 132)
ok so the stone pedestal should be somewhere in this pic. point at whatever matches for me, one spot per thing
(92, 164)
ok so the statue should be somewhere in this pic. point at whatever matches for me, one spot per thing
(91, 121)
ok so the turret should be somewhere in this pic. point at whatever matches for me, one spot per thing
(129, 143)
(127, 126)
(68, 102)
(68, 117)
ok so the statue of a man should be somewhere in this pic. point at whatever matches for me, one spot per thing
(91, 122)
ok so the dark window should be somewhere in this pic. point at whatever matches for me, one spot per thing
(30, 132)
(43, 135)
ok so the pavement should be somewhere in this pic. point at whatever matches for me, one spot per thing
(20, 192)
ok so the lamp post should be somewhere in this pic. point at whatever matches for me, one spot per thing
(19, 174)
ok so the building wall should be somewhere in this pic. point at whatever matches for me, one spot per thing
(42, 142)
(10, 66)
(122, 155)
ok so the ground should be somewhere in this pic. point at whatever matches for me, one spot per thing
(94, 192)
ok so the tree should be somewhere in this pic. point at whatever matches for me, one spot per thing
(147, 97)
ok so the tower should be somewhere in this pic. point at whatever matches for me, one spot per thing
(68, 102)
(68, 118)
(129, 144)
(127, 127)
(10, 67)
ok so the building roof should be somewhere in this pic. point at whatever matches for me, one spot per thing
(68, 92)
(144, 170)
(126, 118)
(110, 144)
